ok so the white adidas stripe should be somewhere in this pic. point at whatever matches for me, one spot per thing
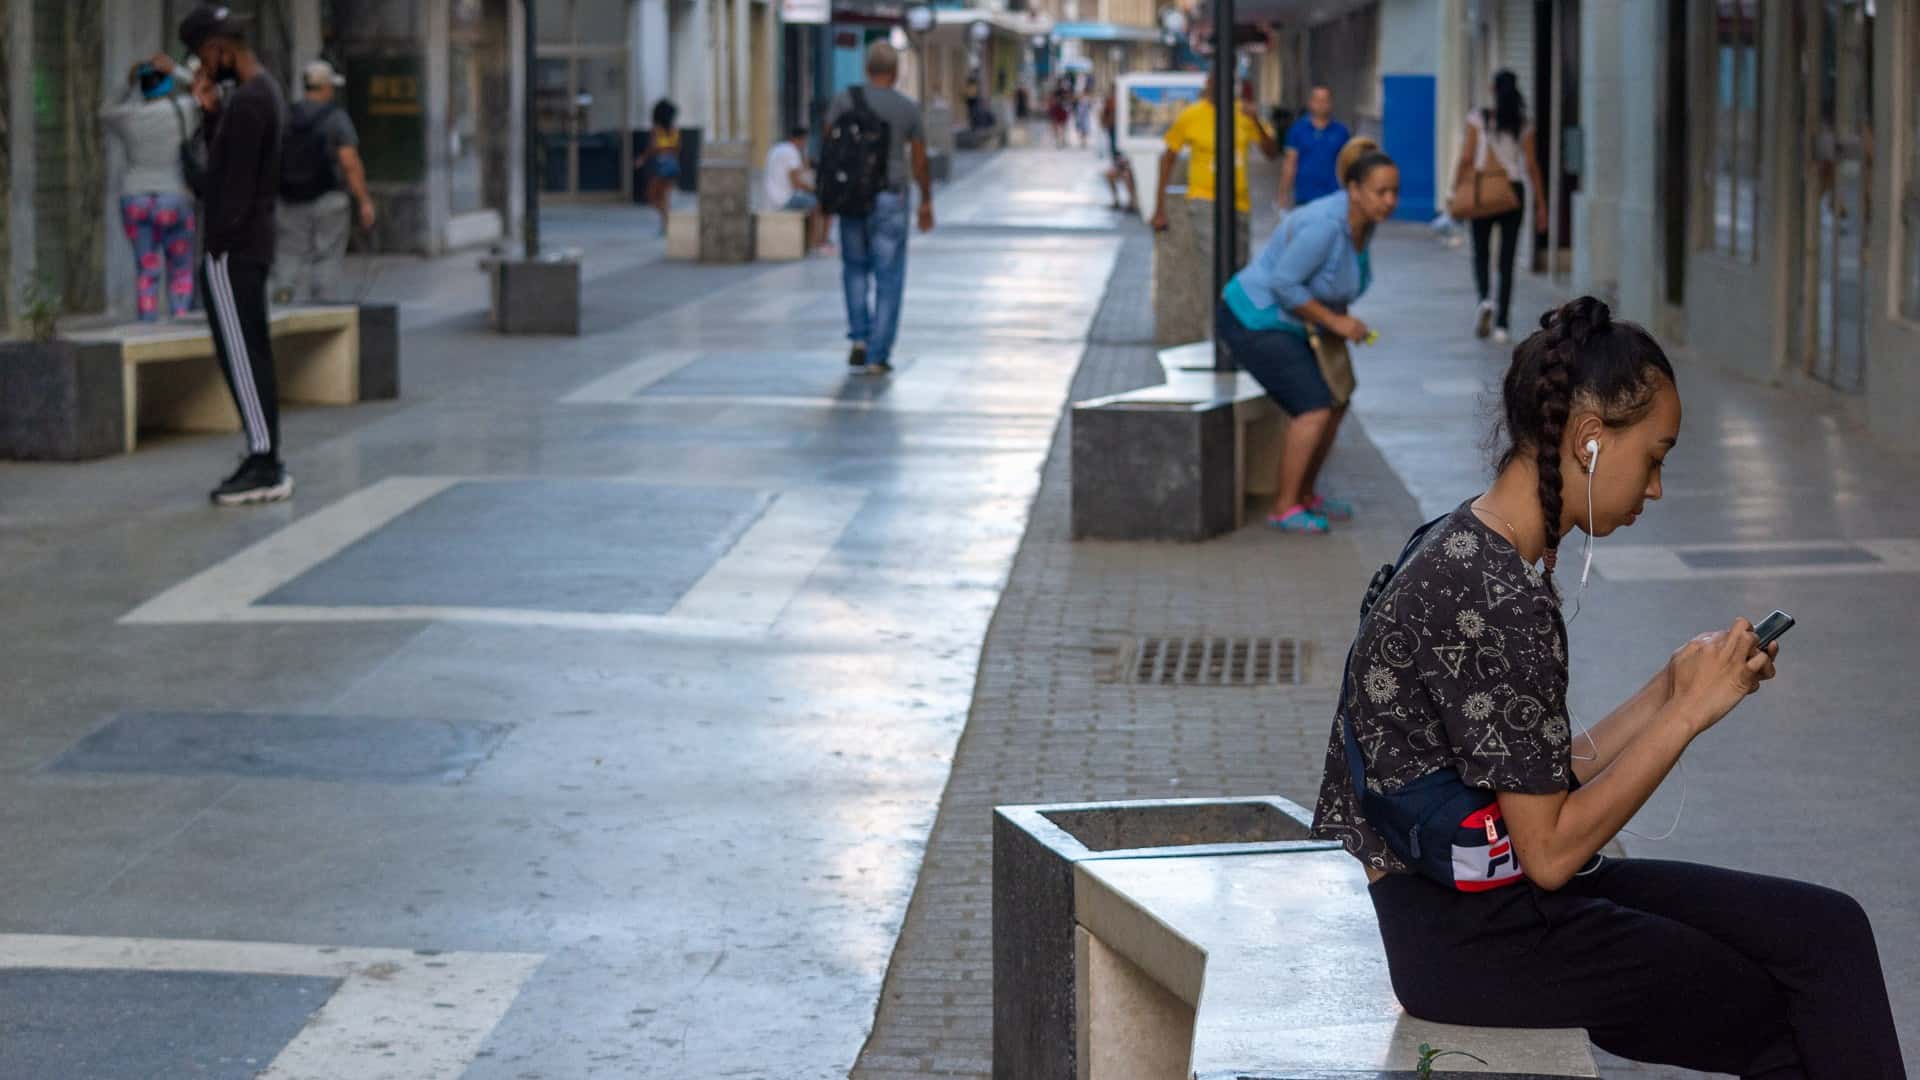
(258, 438)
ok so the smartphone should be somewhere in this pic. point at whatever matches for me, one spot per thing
(1772, 627)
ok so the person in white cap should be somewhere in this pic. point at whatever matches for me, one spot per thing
(319, 168)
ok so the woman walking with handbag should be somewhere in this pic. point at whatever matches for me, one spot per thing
(1284, 318)
(1497, 164)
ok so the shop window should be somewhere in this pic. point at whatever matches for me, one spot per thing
(1910, 197)
(1736, 127)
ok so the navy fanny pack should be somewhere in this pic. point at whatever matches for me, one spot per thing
(1438, 825)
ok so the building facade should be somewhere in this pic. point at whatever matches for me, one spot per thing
(1752, 187)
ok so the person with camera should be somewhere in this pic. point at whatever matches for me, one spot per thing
(1479, 809)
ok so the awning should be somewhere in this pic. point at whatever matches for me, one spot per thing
(1103, 31)
(1007, 22)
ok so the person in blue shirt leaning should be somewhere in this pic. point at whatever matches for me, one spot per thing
(1313, 145)
(1310, 270)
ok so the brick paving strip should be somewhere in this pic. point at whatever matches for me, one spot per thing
(1045, 727)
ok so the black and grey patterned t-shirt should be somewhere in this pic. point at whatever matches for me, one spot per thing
(1462, 664)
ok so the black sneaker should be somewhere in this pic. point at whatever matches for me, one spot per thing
(857, 356)
(879, 367)
(259, 479)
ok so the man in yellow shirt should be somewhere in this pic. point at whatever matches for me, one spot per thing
(1192, 131)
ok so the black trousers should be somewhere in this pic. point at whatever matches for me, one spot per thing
(236, 297)
(1668, 962)
(1509, 226)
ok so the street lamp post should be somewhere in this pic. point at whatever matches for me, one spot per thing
(919, 18)
(1224, 122)
(530, 209)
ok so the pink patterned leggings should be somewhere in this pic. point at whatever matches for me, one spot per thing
(160, 227)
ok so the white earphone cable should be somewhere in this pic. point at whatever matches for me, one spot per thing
(1593, 466)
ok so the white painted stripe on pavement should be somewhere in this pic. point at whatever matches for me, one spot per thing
(756, 580)
(1664, 562)
(739, 597)
(622, 385)
(224, 591)
(397, 1014)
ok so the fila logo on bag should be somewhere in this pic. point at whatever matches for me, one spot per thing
(1483, 855)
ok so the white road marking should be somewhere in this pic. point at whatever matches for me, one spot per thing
(218, 593)
(622, 385)
(1664, 562)
(397, 1014)
(740, 596)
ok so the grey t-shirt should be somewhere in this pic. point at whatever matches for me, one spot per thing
(903, 126)
(336, 125)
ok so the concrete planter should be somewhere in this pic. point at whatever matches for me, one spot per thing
(1035, 850)
(379, 352)
(59, 401)
(536, 296)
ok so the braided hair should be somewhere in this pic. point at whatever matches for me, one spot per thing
(1579, 357)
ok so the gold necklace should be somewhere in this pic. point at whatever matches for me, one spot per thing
(1475, 505)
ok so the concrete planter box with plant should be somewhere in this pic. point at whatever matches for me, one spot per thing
(50, 389)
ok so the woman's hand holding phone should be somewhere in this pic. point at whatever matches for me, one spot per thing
(1715, 672)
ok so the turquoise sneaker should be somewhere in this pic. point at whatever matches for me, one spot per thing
(1298, 519)
(1331, 509)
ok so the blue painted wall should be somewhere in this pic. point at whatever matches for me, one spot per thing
(1406, 127)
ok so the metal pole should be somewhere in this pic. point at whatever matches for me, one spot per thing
(530, 213)
(1557, 118)
(1224, 115)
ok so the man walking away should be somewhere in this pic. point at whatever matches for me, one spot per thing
(320, 156)
(1312, 146)
(789, 184)
(873, 235)
(243, 169)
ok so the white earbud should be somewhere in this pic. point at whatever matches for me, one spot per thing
(1593, 454)
(1593, 466)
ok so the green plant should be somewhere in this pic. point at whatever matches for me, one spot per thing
(42, 311)
(1428, 1055)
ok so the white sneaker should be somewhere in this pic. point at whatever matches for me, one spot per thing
(1482, 318)
(1500, 336)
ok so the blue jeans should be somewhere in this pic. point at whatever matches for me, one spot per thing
(873, 247)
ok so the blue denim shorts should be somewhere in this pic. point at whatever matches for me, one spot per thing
(1281, 361)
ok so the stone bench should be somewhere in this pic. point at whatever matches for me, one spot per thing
(1175, 461)
(1207, 939)
(683, 234)
(540, 295)
(166, 376)
(779, 235)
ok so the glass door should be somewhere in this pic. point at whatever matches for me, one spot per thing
(1840, 85)
(582, 103)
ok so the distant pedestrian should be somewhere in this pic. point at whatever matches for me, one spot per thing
(1059, 111)
(150, 123)
(1311, 147)
(1284, 319)
(1192, 131)
(873, 239)
(789, 184)
(663, 158)
(1119, 169)
(323, 191)
(1083, 115)
(243, 169)
(1501, 136)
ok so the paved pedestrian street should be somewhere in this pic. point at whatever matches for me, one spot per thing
(633, 705)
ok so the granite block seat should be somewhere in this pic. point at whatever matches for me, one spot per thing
(780, 235)
(683, 234)
(170, 378)
(1206, 939)
(1174, 461)
(1261, 967)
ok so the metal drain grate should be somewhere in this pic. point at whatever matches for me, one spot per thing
(1213, 661)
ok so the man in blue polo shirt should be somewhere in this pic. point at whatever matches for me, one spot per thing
(1312, 145)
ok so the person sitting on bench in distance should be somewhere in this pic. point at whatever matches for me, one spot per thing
(1458, 680)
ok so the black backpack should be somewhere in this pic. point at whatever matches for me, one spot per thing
(853, 159)
(306, 156)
